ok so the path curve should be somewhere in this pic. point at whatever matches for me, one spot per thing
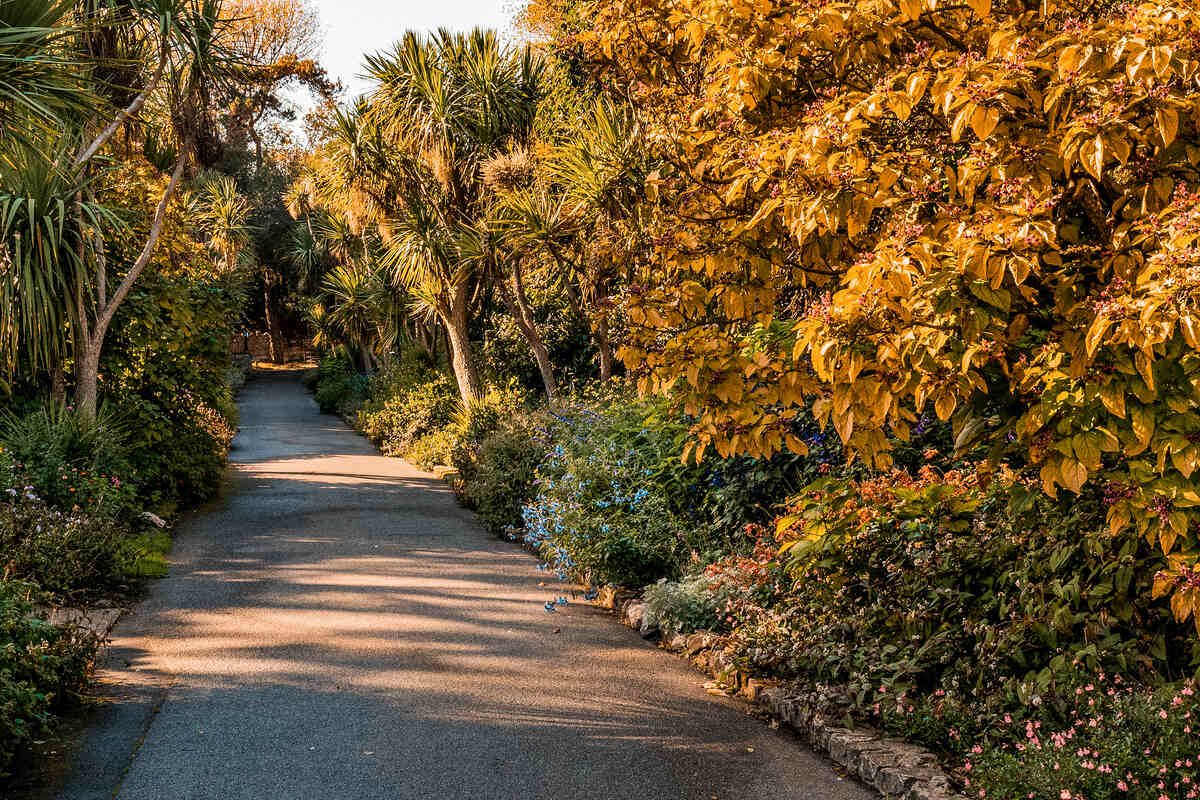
(339, 629)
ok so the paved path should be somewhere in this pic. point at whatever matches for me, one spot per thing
(339, 629)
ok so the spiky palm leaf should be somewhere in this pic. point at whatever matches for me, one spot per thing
(603, 166)
(41, 80)
(45, 252)
(223, 214)
(351, 310)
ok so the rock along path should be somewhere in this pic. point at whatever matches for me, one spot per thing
(339, 628)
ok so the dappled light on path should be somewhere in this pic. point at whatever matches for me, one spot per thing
(339, 628)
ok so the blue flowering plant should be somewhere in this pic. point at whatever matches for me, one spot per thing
(601, 511)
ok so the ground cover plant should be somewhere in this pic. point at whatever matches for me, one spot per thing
(43, 669)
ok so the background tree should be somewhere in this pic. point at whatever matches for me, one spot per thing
(406, 161)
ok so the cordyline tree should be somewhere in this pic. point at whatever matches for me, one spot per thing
(405, 161)
(987, 211)
(140, 67)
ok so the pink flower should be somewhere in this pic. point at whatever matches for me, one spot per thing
(1123, 786)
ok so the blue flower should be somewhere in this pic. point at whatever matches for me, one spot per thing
(549, 606)
(562, 601)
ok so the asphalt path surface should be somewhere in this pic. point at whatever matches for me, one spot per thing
(337, 627)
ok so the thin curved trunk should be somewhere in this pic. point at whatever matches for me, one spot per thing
(90, 337)
(517, 304)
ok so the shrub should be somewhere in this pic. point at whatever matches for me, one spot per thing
(396, 421)
(614, 469)
(598, 511)
(165, 371)
(685, 605)
(71, 462)
(70, 554)
(432, 449)
(499, 480)
(342, 396)
(310, 378)
(1113, 741)
(42, 669)
(339, 389)
(181, 446)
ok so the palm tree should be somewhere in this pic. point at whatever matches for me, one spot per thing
(223, 213)
(44, 243)
(41, 82)
(521, 222)
(352, 310)
(321, 325)
(189, 59)
(600, 170)
(408, 160)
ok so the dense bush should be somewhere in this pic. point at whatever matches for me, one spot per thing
(499, 472)
(69, 461)
(965, 617)
(165, 372)
(71, 554)
(339, 389)
(686, 605)
(397, 417)
(935, 582)
(598, 511)
(42, 669)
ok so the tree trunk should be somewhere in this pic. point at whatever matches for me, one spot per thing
(518, 307)
(605, 347)
(58, 384)
(274, 333)
(470, 388)
(90, 337)
(87, 373)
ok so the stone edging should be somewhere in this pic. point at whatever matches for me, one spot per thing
(894, 768)
(97, 621)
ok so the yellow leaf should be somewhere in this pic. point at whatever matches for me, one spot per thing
(911, 9)
(1112, 394)
(796, 445)
(944, 405)
(1073, 474)
(980, 7)
(1166, 121)
(965, 114)
(1091, 154)
(844, 425)
(1142, 420)
(917, 83)
(985, 121)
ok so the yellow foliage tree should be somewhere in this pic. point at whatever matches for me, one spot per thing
(985, 210)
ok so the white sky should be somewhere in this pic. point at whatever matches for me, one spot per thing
(356, 27)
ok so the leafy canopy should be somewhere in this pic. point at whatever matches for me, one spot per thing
(986, 211)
